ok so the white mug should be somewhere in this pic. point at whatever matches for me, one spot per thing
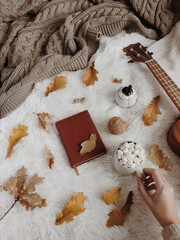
(123, 170)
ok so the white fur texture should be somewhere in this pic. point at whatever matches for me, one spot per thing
(96, 176)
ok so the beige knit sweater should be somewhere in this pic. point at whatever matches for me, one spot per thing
(41, 38)
(171, 232)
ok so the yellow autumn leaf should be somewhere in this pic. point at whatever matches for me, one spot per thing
(89, 145)
(59, 83)
(18, 134)
(90, 76)
(151, 114)
(112, 196)
(118, 216)
(156, 156)
(74, 208)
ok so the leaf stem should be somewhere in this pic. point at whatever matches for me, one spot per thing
(9, 209)
(62, 217)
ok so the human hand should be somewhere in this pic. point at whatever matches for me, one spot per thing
(161, 203)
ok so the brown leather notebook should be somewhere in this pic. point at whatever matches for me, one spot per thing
(73, 131)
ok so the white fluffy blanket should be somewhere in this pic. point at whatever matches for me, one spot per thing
(97, 176)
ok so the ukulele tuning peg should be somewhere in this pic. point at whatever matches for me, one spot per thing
(151, 53)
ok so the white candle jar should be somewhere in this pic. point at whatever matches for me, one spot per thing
(127, 98)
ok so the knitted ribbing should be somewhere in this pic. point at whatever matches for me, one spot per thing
(45, 38)
(171, 232)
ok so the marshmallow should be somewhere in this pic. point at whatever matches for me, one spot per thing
(126, 150)
(120, 153)
(122, 147)
(126, 145)
(124, 161)
(136, 152)
(130, 162)
(130, 154)
(133, 165)
(136, 160)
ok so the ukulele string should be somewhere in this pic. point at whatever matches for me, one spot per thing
(139, 55)
(146, 52)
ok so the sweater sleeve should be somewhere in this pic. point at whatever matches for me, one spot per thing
(171, 232)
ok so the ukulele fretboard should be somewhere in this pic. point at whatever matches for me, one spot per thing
(165, 81)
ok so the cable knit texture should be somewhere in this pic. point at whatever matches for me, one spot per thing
(40, 38)
(171, 232)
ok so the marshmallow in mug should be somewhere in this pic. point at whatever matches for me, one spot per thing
(130, 155)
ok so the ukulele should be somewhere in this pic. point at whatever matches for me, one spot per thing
(141, 54)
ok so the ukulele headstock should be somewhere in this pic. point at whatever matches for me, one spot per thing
(138, 52)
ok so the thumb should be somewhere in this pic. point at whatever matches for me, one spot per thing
(143, 191)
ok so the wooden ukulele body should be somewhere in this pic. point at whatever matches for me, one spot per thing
(173, 138)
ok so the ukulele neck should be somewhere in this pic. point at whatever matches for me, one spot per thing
(165, 81)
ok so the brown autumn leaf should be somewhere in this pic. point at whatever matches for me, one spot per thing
(156, 156)
(33, 200)
(115, 80)
(44, 120)
(49, 157)
(89, 145)
(18, 134)
(112, 196)
(151, 114)
(118, 216)
(90, 76)
(79, 100)
(74, 208)
(23, 190)
(59, 83)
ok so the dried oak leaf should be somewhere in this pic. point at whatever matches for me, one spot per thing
(49, 157)
(152, 111)
(22, 188)
(156, 156)
(44, 119)
(59, 83)
(112, 196)
(74, 208)
(90, 76)
(89, 145)
(118, 216)
(33, 200)
(115, 80)
(79, 100)
(18, 134)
